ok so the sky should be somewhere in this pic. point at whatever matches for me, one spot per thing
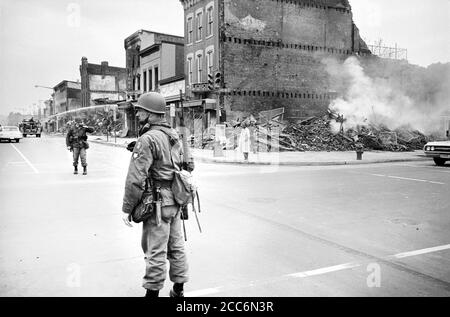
(42, 41)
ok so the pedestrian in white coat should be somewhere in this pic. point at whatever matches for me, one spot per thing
(244, 141)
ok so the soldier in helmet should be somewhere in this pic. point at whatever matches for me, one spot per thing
(157, 154)
(76, 141)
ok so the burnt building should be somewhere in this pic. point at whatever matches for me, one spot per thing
(266, 53)
(67, 96)
(102, 82)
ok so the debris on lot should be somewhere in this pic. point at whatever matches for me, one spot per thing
(315, 134)
(323, 134)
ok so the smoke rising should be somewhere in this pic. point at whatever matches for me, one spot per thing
(382, 100)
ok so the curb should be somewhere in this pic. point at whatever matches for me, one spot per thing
(329, 163)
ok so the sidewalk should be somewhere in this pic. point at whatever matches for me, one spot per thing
(287, 158)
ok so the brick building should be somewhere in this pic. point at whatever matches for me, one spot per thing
(102, 82)
(67, 96)
(269, 53)
(154, 62)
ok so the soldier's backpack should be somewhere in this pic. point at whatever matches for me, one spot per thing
(183, 187)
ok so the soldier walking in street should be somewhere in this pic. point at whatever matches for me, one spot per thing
(76, 141)
(157, 155)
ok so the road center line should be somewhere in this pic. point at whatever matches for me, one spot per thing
(25, 159)
(423, 251)
(203, 292)
(403, 178)
(435, 168)
(325, 270)
(305, 274)
(416, 180)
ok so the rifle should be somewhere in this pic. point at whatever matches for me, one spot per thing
(188, 162)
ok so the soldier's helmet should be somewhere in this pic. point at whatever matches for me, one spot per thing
(153, 102)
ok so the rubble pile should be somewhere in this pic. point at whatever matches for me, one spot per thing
(315, 134)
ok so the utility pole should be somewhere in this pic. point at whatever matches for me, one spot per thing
(183, 133)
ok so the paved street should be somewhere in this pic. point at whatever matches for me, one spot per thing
(268, 230)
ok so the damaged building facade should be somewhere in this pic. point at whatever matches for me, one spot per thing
(268, 54)
(101, 83)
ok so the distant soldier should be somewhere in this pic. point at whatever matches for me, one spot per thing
(76, 141)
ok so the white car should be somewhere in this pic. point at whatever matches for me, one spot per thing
(10, 133)
(439, 151)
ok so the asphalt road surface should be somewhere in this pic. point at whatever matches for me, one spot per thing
(369, 230)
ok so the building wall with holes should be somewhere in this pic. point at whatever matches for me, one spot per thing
(273, 52)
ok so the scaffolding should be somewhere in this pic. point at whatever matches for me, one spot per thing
(396, 53)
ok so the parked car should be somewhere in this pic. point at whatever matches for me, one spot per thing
(10, 133)
(439, 151)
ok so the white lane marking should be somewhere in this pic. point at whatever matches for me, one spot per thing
(203, 292)
(25, 159)
(423, 251)
(416, 180)
(322, 271)
(436, 168)
(401, 178)
(325, 270)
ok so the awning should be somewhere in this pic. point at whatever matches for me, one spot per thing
(192, 103)
(209, 103)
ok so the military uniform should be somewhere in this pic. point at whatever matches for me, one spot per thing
(76, 139)
(154, 156)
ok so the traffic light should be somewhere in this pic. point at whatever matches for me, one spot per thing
(217, 80)
(210, 82)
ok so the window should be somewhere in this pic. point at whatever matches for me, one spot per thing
(156, 78)
(189, 30)
(210, 61)
(199, 67)
(199, 26)
(138, 79)
(145, 81)
(189, 69)
(209, 20)
(150, 80)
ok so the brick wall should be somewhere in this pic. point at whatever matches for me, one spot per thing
(272, 52)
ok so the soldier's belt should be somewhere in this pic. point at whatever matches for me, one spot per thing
(162, 183)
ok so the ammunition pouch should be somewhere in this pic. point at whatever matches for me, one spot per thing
(182, 187)
(146, 206)
(144, 209)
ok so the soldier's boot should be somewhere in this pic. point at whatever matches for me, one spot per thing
(151, 294)
(177, 290)
(84, 170)
(75, 170)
